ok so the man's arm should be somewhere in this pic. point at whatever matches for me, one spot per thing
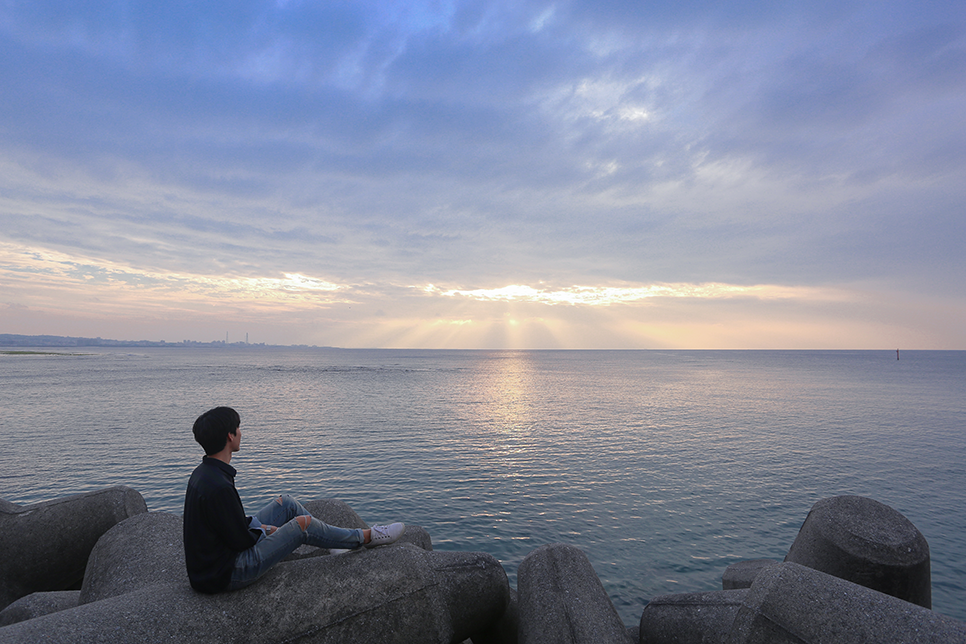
(255, 524)
(227, 519)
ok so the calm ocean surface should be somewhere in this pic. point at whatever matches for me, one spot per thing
(663, 466)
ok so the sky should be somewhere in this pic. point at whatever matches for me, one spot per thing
(482, 174)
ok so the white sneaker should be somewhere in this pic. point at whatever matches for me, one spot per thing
(381, 535)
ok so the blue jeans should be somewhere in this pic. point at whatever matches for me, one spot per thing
(270, 549)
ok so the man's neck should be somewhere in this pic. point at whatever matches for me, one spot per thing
(224, 456)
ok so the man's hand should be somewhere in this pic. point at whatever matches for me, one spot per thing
(269, 529)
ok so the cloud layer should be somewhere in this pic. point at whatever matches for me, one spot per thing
(275, 162)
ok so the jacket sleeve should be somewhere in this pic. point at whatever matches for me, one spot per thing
(228, 521)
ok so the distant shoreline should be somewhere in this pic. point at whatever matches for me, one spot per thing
(16, 341)
(8, 340)
(39, 353)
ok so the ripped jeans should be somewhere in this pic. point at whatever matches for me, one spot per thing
(270, 549)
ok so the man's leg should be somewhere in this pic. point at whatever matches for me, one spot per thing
(295, 527)
(285, 508)
(280, 510)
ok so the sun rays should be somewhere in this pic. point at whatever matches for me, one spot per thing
(310, 309)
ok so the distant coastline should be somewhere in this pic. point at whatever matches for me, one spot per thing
(16, 341)
(12, 340)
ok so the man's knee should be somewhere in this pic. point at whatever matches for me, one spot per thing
(304, 521)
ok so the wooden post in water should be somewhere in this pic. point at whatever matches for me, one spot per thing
(897, 354)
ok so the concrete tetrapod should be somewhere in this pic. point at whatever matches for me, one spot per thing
(148, 549)
(742, 574)
(504, 631)
(397, 593)
(39, 604)
(560, 599)
(335, 512)
(45, 545)
(867, 543)
(792, 604)
(691, 618)
(145, 550)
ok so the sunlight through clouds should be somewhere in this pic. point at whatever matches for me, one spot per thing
(41, 265)
(603, 296)
(485, 174)
(57, 286)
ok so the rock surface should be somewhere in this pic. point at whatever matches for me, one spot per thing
(145, 550)
(148, 549)
(742, 574)
(504, 631)
(38, 604)
(690, 618)
(136, 590)
(867, 543)
(792, 604)
(46, 545)
(335, 512)
(398, 593)
(561, 599)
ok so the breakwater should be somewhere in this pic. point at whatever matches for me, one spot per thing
(99, 567)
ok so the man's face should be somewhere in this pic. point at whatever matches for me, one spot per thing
(234, 440)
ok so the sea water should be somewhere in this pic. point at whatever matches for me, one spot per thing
(664, 467)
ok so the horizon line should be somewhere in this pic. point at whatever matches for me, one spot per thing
(50, 341)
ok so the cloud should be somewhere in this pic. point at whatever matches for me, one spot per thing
(487, 144)
(604, 296)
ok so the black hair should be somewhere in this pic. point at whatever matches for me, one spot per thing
(212, 428)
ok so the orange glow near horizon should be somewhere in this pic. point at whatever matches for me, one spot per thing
(57, 292)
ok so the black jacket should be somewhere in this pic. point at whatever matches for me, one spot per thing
(215, 526)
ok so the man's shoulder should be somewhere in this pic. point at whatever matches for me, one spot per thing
(212, 473)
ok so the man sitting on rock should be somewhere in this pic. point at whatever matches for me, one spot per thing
(226, 550)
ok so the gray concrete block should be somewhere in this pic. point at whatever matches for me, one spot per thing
(634, 634)
(741, 574)
(418, 536)
(45, 545)
(148, 549)
(143, 551)
(39, 604)
(867, 543)
(335, 512)
(398, 594)
(690, 618)
(561, 599)
(792, 604)
(504, 631)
